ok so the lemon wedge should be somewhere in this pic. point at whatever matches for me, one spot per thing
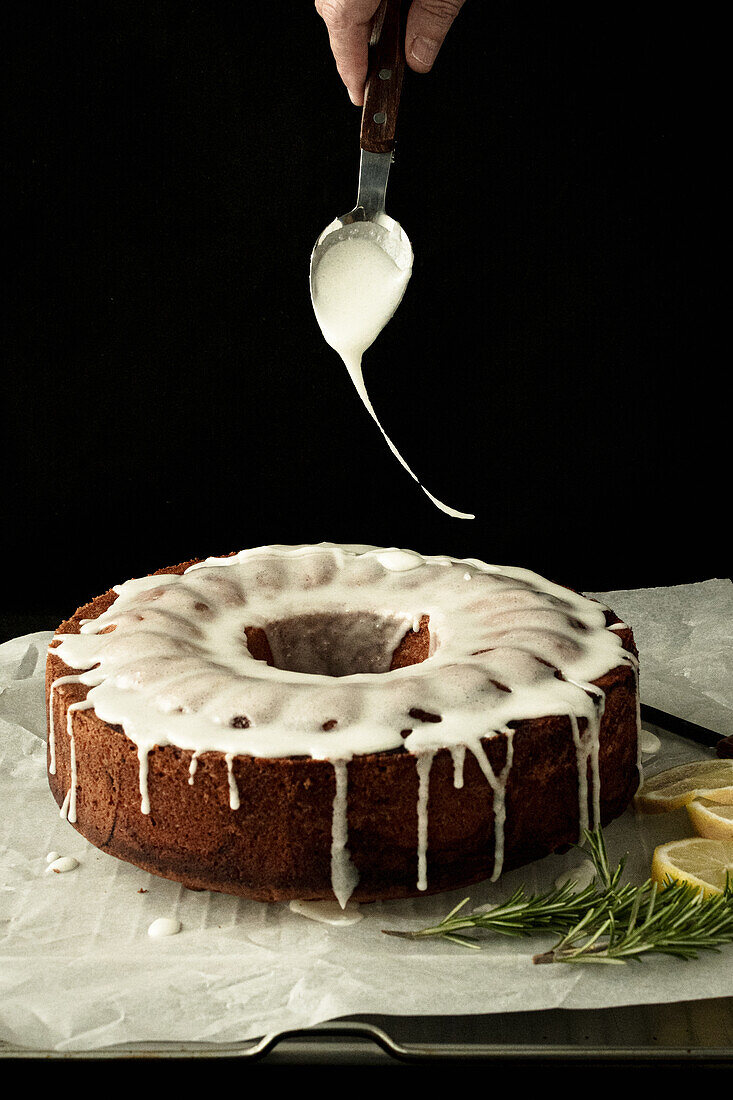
(674, 788)
(700, 862)
(710, 819)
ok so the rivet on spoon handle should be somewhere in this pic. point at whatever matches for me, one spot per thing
(384, 80)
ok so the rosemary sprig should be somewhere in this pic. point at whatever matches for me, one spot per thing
(522, 914)
(676, 920)
(607, 922)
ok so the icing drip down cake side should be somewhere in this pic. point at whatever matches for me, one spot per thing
(304, 722)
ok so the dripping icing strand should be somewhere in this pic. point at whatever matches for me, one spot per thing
(423, 763)
(458, 753)
(58, 682)
(344, 875)
(70, 802)
(497, 783)
(232, 782)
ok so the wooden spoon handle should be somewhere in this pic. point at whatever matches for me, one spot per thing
(384, 80)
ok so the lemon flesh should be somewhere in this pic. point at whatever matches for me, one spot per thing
(698, 861)
(674, 788)
(710, 819)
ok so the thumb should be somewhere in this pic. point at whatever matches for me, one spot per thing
(428, 22)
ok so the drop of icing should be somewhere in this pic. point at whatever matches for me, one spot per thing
(164, 926)
(650, 743)
(328, 912)
(62, 864)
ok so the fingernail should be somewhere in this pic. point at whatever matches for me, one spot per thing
(424, 50)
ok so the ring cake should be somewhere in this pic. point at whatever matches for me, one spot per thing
(310, 721)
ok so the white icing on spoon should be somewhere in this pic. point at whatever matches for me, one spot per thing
(356, 287)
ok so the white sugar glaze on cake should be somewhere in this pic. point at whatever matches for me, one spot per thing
(169, 663)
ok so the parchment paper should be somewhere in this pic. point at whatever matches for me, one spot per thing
(78, 970)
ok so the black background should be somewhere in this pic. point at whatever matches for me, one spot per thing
(552, 367)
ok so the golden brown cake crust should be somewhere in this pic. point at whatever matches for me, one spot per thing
(277, 844)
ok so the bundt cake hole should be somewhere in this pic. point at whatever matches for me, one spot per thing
(339, 643)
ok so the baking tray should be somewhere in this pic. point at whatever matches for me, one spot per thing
(642, 1035)
(685, 1032)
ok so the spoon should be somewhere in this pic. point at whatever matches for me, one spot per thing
(378, 122)
(362, 261)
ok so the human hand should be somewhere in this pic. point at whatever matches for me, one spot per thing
(349, 24)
